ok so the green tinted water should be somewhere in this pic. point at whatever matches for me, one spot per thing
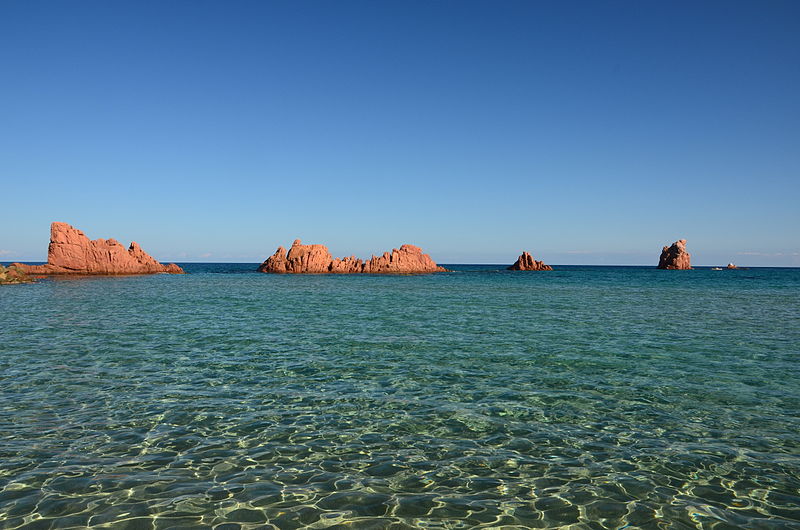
(594, 397)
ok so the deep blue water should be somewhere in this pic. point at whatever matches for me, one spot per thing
(599, 397)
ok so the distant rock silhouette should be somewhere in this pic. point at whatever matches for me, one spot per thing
(71, 252)
(316, 259)
(675, 257)
(526, 263)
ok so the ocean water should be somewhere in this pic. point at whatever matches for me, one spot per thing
(586, 397)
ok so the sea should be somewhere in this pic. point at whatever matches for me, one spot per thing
(582, 398)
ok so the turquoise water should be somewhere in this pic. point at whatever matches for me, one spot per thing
(597, 397)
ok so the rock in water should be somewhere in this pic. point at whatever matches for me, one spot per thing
(13, 275)
(526, 263)
(675, 257)
(311, 259)
(71, 252)
(408, 259)
(300, 258)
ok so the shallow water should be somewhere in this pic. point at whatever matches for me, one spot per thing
(599, 397)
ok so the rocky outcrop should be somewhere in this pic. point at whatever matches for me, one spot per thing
(71, 252)
(408, 259)
(13, 275)
(526, 263)
(675, 257)
(300, 258)
(316, 259)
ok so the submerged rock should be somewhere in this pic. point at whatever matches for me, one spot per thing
(526, 263)
(71, 252)
(316, 259)
(675, 257)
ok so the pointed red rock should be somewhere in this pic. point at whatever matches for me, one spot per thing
(526, 263)
(675, 257)
(71, 252)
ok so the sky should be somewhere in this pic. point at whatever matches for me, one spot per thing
(583, 132)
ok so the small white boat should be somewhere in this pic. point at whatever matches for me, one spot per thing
(716, 268)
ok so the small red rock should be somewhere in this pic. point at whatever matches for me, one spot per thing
(526, 263)
(675, 257)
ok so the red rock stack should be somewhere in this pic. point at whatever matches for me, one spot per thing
(675, 257)
(71, 252)
(526, 263)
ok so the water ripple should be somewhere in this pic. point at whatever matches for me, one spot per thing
(496, 400)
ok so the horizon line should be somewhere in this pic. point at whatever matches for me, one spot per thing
(39, 262)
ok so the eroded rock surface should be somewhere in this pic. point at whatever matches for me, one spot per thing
(526, 263)
(316, 259)
(675, 257)
(71, 252)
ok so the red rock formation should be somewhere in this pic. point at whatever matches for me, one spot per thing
(408, 259)
(317, 259)
(526, 263)
(301, 258)
(13, 275)
(675, 257)
(71, 252)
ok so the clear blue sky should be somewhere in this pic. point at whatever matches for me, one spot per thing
(584, 132)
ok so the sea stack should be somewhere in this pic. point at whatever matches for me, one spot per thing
(526, 263)
(71, 252)
(675, 257)
(316, 259)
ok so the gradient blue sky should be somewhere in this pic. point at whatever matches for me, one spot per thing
(584, 132)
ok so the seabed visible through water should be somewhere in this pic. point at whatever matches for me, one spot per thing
(586, 397)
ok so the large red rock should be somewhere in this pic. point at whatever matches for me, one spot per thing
(309, 259)
(71, 252)
(526, 263)
(675, 257)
